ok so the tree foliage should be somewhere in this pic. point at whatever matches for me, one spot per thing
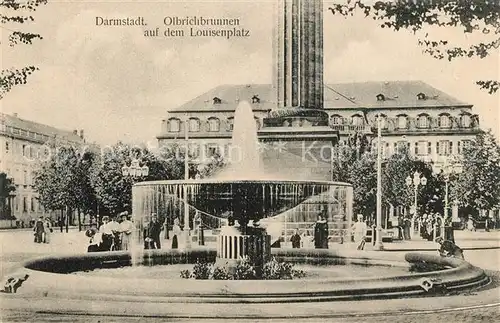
(6, 188)
(471, 16)
(13, 14)
(478, 185)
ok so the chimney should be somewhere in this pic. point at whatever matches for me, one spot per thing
(15, 114)
(81, 134)
(75, 132)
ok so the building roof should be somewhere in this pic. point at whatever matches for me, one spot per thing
(40, 128)
(396, 94)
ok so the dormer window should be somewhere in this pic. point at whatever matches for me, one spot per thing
(444, 121)
(423, 121)
(255, 99)
(230, 123)
(336, 120)
(380, 97)
(213, 124)
(421, 96)
(465, 120)
(217, 100)
(194, 125)
(357, 120)
(174, 125)
(402, 122)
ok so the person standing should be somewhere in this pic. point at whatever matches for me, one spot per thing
(359, 229)
(154, 231)
(321, 233)
(176, 231)
(107, 235)
(47, 229)
(126, 227)
(295, 239)
(39, 230)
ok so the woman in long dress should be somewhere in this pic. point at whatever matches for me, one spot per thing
(47, 229)
(176, 231)
(359, 230)
(126, 227)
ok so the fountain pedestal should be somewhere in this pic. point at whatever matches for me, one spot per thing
(236, 243)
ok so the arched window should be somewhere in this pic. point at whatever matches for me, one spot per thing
(422, 148)
(423, 121)
(465, 120)
(194, 125)
(402, 121)
(174, 125)
(357, 120)
(444, 121)
(213, 124)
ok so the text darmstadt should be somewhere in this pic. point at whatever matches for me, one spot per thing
(129, 21)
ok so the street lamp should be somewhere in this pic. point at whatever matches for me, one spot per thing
(378, 237)
(186, 177)
(135, 170)
(416, 182)
(447, 170)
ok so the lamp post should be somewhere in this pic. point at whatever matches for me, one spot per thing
(417, 181)
(187, 239)
(447, 170)
(378, 238)
(135, 170)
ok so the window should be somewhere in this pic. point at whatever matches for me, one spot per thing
(462, 145)
(402, 122)
(25, 204)
(174, 125)
(336, 120)
(25, 177)
(383, 121)
(421, 96)
(422, 148)
(429, 148)
(444, 147)
(16, 202)
(444, 121)
(15, 131)
(7, 147)
(423, 121)
(217, 100)
(32, 204)
(230, 123)
(257, 123)
(380, 97)
(357, 120)
(24, 150)
(255, 99)
(213, 124)
(465, 120)
(194, 125)
(194, 150)
(212, 149)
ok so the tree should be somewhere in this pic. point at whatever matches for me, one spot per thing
(363, 177)
(478, 185)
(113, 190)
(15, 76)
(471, 16)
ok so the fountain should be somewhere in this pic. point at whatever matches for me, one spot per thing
(146, 283)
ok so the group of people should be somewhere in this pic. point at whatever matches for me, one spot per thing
(321, 235)
(428, 223)
(152, 231)
(111, 235)
(42, 230)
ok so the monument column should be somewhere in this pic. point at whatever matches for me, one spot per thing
(298, 54)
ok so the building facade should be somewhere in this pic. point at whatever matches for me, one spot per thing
(23, 145)
(433, 125)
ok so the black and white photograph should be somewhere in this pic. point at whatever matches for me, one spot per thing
(250, 161)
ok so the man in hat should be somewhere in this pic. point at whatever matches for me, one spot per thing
(153, 232)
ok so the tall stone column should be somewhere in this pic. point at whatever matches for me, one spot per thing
(298, 54)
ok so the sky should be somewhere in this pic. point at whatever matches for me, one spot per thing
(117, 84)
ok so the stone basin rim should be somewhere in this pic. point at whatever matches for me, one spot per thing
(238, 181)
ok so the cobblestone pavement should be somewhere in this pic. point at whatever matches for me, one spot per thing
(17, 246)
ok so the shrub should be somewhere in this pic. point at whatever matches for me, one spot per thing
(244, 270)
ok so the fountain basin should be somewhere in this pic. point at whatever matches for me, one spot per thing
(48, 277)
